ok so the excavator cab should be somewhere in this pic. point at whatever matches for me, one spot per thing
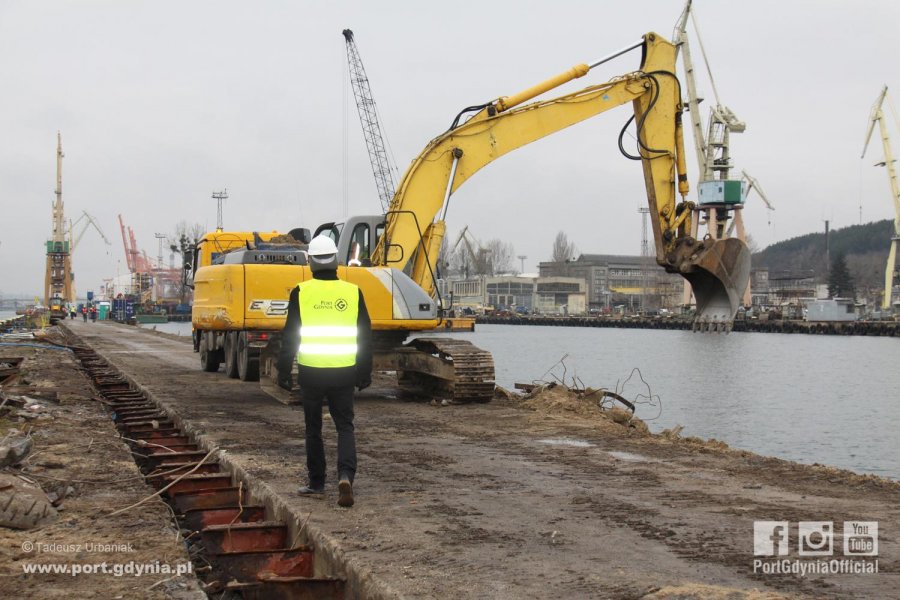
(355, 239)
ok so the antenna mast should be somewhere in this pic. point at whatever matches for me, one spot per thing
(220, 197)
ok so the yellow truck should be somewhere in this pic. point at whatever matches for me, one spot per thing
(242, 281)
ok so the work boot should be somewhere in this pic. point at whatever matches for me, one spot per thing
(345, 492)
(311, 490)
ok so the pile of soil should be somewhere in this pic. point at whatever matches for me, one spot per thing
(588, 404)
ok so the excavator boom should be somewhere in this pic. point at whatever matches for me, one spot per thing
(718, 270)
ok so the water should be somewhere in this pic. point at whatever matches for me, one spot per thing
(813, 399)
(827, 399)
(175, 328)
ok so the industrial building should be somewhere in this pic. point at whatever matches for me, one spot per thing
(526, 294)
(612, 280)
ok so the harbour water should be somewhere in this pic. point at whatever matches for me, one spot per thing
(813, 399)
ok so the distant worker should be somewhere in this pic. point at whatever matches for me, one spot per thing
(72, 312)
(329, 334)
(94, 314)
(84, 312)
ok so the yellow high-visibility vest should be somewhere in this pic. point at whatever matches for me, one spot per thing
(328, 332)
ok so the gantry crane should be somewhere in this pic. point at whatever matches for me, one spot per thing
(382, 167)
(720, 198)
(890, 272)
(58, 278)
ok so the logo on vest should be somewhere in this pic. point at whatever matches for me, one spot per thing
(323, 305)
(341, 304)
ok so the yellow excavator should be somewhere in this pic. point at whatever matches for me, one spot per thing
(392, 256)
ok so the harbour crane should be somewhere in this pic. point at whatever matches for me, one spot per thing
(890, 272)
(137, 260)
(720, 198)
(753, 184)
(479, 257)
(59, 287)
(382, 167)
(77, 238)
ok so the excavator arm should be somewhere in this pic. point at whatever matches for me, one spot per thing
(415, 227)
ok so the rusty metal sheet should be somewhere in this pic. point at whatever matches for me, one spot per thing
(172, 471)
(199, 482)
(230, 496)
(250, 566)
(197, 519)
(244, 537)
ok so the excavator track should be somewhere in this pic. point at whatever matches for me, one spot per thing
(449, 367)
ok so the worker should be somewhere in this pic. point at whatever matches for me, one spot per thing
(84, 311)
(329, 334)
(72, 312)
(93, 314)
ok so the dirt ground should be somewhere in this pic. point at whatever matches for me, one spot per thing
(524, 497)
(78, 459)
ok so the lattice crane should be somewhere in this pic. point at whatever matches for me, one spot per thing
(382, 168)
(890, 272)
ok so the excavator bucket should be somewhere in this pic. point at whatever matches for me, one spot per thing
(718, 275)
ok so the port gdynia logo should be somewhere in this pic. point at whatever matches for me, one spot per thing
(814, 546)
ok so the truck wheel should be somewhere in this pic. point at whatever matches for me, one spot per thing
(231, 357)
(209, 359)
(247, 360)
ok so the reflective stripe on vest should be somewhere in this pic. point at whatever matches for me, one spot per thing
(328, 313)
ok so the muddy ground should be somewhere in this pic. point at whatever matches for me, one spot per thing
(78, 459)
(522, 498)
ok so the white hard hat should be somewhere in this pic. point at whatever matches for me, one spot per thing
(322, 254)
(321, 245)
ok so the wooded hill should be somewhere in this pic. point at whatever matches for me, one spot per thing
(865, 246)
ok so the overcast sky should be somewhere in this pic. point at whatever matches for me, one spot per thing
(161, 103)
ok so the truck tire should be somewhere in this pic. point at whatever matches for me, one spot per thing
(209, 359)
(247, 359)
(231, 356)
(22, 508)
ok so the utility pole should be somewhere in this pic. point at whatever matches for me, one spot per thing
(645, 253)
(220, 197)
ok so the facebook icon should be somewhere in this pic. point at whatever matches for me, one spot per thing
(770, 538)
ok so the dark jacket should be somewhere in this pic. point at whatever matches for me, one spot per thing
(290, 341)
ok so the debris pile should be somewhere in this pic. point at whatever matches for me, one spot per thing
(588, 403)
